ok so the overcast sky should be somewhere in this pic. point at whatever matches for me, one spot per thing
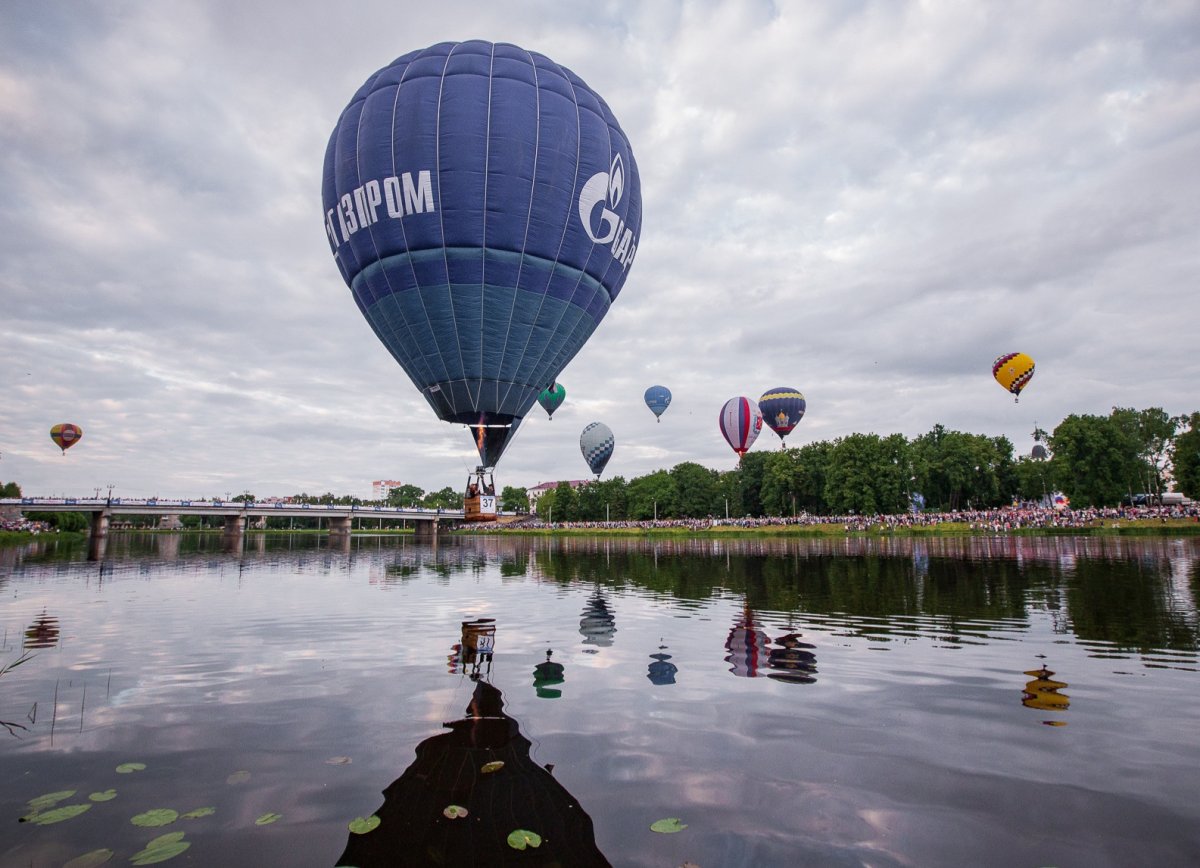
(866, 201)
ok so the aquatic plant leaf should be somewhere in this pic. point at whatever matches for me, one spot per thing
(519, 839)
(453, 812)
(57, 815)
(50, 799)
(668, 825)
(161, 849)
(267, 819)
(493, 766)
(338, 761)
(362, 825)
(130, 768)
(198, 813)
(105, 796)
(156, 817)
(239, 777)
(90, 860)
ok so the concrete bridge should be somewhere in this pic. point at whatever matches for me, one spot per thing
(236, 514)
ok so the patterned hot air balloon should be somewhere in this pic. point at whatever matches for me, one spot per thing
(1013, 371)
(484, 207)
(65, 435)
(658, 399)
(551, 398)
(740, 422)
(782, 407)
(597, 443)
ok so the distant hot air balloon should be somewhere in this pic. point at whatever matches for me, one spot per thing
(484, 206)
(551, 398)
(658, 399)
(65, 435)
(1013, 371)
(782, 407)
(740, 422)
(596, 443)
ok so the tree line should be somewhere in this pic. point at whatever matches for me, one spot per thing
(1094, 460)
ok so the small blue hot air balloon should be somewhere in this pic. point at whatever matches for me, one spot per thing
(782, 408)
(483, 205)
(596, 443)
(658, 399)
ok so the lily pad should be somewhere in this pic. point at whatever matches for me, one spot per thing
(156, 817)
(338, 761)
(49, 818)
(105, 796)
(267, 819)
(130, 768)
(161, 849)
(90, 860)
(519, 839)
(50, 799)
(198, 813)
(362, 825)
(494, 766)
(238, 777)
(668, 826)
(453, 812)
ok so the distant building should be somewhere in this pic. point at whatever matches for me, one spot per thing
(381, 488)
(534, 494)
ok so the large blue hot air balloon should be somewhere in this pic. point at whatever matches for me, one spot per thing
(782, 408)
(484, 207)
(658, 399)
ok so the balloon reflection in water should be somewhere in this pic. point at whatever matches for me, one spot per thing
(448, 770)
(747, 646)
(598, 624)
(42, 633)
(546, 676)
(661, 671)
(473, 654)
(792, 661)
(1042, 694)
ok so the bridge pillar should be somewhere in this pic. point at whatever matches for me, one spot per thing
(426, 530)
(98, 539)
(170, 522)
(339, 525)
(234, 525)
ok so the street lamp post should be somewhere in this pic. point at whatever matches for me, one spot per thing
(656, 510)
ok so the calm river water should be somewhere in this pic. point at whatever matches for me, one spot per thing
(1007, 701)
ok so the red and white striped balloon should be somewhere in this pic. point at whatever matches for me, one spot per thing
(740, 421)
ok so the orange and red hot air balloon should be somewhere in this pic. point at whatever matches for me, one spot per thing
(65, 435)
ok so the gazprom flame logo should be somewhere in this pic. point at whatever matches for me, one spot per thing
(603, 191)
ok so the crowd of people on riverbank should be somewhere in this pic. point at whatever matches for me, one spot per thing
(999, 520)
(21, 524)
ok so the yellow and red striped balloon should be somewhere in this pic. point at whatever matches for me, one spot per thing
(1013, 371)
(65, 435)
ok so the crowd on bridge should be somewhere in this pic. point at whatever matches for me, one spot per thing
(997, 520)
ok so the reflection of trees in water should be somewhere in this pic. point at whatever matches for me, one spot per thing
(413, 829)
(1129, 604)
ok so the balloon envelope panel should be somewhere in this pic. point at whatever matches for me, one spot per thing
(484, 206)
(740, 422)
(782, 408)
(658, 399)
(597, 444)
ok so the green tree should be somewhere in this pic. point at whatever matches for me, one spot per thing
(1095, 459)
(1185, 456)
(866, 474)
(1032, 478)
(655, 491)
(780, 482)
(244, 497)
(10, 489)
(812, 467)
(514, 499)
(446, 498)
(566, 502)
(1153, 430)
(697, 489)
(616, 498)
(405, 495)
(590, 501)
(750, 472)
